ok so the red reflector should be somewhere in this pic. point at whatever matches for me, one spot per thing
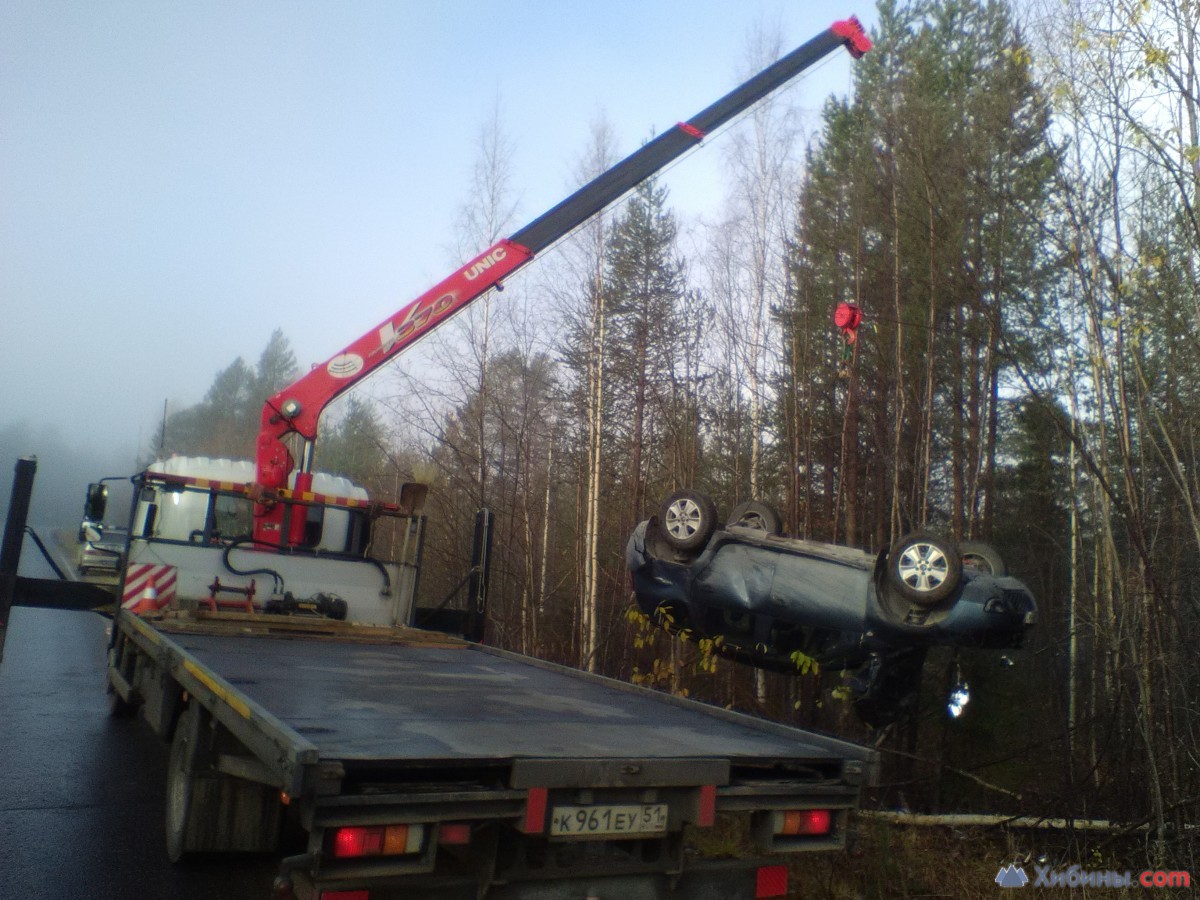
(454, 833)
(771, 882)
(535, 810)
(345, 895)
(707, 814)
(807, 822)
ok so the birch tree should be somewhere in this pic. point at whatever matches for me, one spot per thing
(751, 275)
(582, 291)
(1123, 76)
(483, 219)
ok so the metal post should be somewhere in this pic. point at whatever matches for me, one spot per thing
(481, 566)
(14, 538)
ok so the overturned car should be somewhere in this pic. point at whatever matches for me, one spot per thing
(773, 601)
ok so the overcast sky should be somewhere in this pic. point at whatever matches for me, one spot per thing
(178, 179)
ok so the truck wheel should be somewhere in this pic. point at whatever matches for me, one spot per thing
(181, 783)
(209, 811)
(924, 569)
(688, 519)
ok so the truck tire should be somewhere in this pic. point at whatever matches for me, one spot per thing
(207, 810)
(181, 784)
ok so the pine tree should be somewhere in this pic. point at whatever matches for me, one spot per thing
(225, 423)
(355, 445)
(276, 367)
(644, 286)
(923, 205)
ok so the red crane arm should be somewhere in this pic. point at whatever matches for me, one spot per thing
(297, 408)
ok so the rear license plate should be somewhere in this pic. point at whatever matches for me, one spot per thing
(604, 821)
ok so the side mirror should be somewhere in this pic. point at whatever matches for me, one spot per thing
(96, 502)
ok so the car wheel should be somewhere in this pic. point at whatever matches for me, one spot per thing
(757, 515)
(924, 569)
(688, 519)
(980, 557)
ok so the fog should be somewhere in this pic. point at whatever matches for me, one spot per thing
(179, 180)
(65, 466)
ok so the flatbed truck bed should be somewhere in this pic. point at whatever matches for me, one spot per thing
(510, 776)
(469, 703)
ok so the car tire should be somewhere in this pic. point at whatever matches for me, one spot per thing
(982, 558)
(687, 519)
(924, 568)
(757, 515)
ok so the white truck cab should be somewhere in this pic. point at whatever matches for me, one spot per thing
(192, 546)
(168, 513)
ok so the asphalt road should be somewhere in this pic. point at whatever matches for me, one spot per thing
(81, 794)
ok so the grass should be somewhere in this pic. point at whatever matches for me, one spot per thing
(883, 861)
(889, 861)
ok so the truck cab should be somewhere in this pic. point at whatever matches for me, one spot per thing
(191, 545)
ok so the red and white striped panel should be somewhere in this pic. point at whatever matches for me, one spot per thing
(139, 577)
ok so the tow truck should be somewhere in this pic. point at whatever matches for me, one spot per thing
(261, 632)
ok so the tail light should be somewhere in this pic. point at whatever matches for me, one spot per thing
(803, 822)
(388, 840)
(452, 833)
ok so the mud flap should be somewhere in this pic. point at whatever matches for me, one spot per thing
(209, 811)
